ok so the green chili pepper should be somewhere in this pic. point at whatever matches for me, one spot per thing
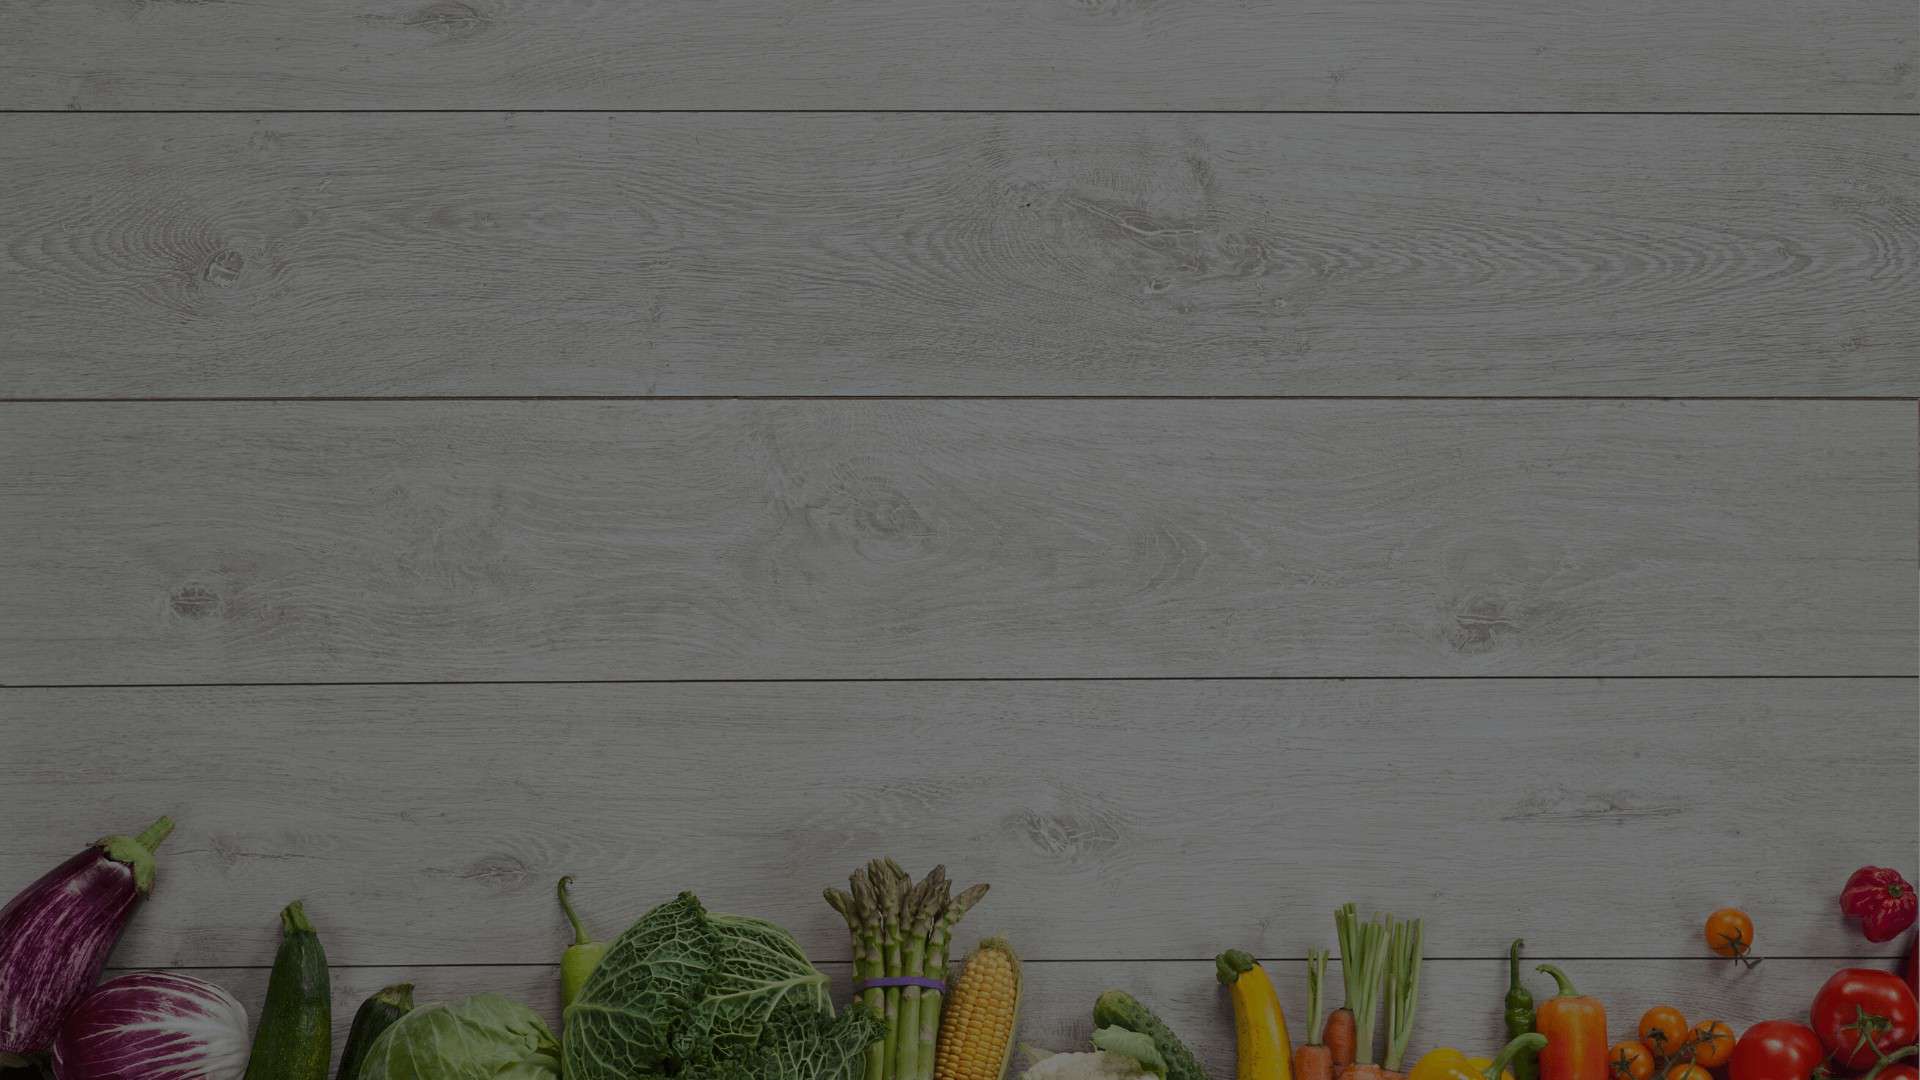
(1519, 1015)
(581, 957)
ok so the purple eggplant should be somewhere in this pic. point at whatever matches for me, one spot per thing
(55, 935)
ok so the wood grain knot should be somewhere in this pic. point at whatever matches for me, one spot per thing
(224, 268)
(194, 601)
(1070, 836)
(451, 20)
(1575, 807)
(501, 873)
(1478, 629)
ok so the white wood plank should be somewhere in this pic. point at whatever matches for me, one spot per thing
(1762, 55)
(1459, 1005)
(382, 541)
(1115, 820)
(677, 255)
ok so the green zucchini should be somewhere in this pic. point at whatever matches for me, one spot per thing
(295, 1039)
(376, 1015)
(1117, 1008)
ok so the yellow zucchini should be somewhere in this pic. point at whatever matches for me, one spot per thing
(1259, 1025)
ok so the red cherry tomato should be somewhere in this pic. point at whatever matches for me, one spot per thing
(1862, 1013)
(1776, 1050)
(1903, 1070)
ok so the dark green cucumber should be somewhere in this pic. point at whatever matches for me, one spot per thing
(376, 1015)
(295, 1039)
(1117, 1008)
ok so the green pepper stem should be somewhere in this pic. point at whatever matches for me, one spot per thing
(1531, 1042)
(566, 905)
(155, 834)
(1560, 977)
(1513, 965)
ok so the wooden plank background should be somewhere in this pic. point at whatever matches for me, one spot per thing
(663, 255)
(378, 541)
(1608, 55)
(1009, 458)
(1282, 799)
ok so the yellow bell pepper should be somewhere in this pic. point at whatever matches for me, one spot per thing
(1446, 1063)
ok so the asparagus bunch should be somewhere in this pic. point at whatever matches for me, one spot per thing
(902, 929)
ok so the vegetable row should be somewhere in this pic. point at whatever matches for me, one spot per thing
(695, 995)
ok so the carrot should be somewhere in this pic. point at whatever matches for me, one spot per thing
(1369, 1072)
(1339, 1039)
(1312, 1061)
(1363, 964)
(1403, 987)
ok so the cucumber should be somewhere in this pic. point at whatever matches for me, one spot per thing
(1117, 1008)
(376, 1015)
(295, 1039)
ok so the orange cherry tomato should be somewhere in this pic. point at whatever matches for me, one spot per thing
(1730, 932)
(1663, 1030)
(1711, 1042)
(1687, 1070)
(1629, 1061)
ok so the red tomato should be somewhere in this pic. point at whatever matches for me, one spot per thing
(1776, 1050)
(1862, 1013)
(1905, 1070)
(1913, 964)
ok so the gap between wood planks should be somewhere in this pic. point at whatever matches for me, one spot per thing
(930, 679)
(1065, 960)
(961, 112)
(670, 398)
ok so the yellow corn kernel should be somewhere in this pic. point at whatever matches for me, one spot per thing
(976, 1033)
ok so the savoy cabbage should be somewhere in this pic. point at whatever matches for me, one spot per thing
(696, 996)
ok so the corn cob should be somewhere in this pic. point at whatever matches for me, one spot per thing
(976, 1035)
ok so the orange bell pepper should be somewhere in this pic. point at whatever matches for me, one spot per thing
(1576, 1031)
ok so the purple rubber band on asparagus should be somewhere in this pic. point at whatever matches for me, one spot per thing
(901, 980)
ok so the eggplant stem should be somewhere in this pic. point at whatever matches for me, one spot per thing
(155, 834)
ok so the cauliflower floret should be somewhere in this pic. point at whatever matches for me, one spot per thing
(1096, 1065)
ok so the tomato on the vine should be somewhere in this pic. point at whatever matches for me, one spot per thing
(1776, 1050)
(1912, 964)
(1687, 1070)
(1901, 1070)
(1629, 1061)
(1663, 1030)
(1712, 1043)
(1862, 1013)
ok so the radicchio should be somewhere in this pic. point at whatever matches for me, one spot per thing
(153, 1025)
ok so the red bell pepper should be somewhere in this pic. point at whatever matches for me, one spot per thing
(1882, 900)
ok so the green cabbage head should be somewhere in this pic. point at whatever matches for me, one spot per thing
(696, 996)
(484, 1037)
